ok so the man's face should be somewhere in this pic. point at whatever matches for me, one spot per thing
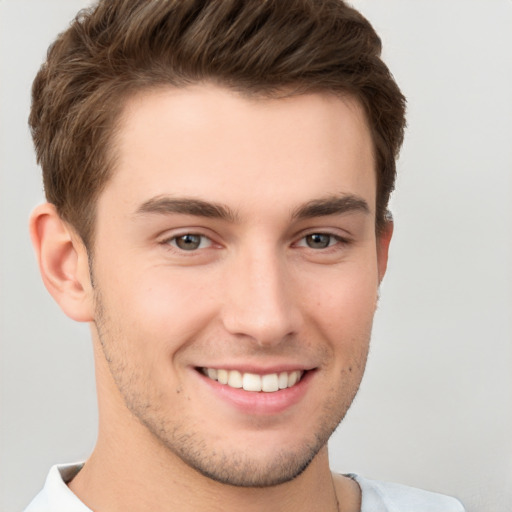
(235, 246)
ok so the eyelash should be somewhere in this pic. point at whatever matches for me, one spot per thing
(173, 242)
(332, 242)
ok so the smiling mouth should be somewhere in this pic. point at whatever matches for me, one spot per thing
(268, 383)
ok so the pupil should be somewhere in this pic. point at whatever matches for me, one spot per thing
(318, 241)
(188, 242)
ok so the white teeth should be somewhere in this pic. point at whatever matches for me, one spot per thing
(283, 380)
(222, 376)
(268, 383)
(235, 379)
(252, 382)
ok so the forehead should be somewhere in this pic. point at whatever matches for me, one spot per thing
(209, 142)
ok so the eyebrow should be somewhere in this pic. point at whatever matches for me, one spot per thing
(187, 206)
(335, 205)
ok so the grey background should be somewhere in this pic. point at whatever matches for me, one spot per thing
(435, 408)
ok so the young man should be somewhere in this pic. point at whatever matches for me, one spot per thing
(217, 176)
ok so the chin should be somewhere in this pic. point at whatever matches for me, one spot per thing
(241, 470)
(257, 461)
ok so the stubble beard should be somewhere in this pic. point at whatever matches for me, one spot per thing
(231, 466)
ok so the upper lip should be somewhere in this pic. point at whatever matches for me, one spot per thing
(258, 369)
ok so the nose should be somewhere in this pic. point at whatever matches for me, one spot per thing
(260, 303)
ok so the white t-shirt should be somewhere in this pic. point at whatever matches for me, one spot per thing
(376, 496)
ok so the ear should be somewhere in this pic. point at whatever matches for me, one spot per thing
(63, 262)
(383, 241)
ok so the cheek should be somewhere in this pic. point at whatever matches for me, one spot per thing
(342, 314)
(344, 299)
(166, 308)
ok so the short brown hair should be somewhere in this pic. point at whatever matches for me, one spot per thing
(262, 47)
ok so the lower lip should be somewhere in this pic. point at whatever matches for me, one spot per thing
(260, 403)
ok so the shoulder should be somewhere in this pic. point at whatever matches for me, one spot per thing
(56, 495)
(390, 497)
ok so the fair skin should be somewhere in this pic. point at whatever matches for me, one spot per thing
(235, 240)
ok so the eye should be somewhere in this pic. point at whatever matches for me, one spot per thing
(319, 240)
(190, 242)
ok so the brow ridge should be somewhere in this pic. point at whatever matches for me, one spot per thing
(335, 205)
(186, 206)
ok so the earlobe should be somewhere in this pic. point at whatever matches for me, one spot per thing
(63, 262)
(383, 241)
